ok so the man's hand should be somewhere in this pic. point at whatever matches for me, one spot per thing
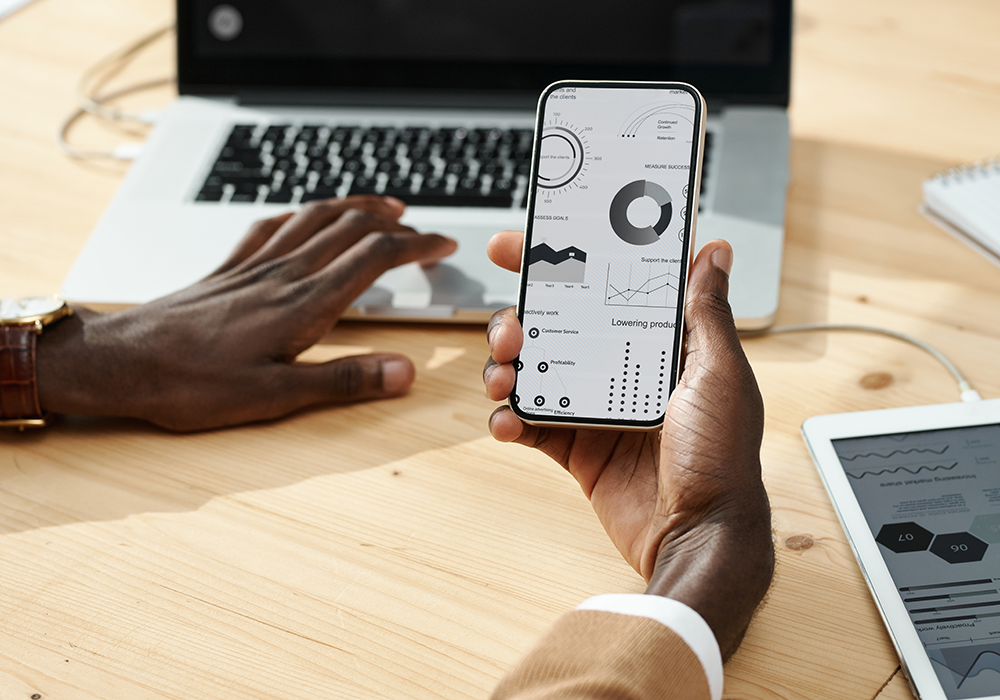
(222, 351)
(686, 506)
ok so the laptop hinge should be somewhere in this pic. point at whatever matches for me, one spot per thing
(506, 100)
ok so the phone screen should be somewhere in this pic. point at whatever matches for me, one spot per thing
(606, 252)
(932, 502)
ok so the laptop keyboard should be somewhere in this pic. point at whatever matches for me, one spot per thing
(453, 167)
(288, 164)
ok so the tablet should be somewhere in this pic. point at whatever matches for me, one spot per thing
(917, 491)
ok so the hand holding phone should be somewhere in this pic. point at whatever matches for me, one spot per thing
(611, 218)
(685, 506)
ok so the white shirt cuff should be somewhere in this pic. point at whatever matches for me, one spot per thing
(688, 624)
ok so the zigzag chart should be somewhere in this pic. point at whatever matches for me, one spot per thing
(650, 285)
(919, 469)
(913, 450)
(973, 659)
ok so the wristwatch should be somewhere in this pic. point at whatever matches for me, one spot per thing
(22, 320)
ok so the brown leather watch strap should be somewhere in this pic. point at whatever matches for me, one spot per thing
(18, 380)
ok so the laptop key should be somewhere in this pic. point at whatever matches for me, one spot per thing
(209, 194)
(318, 193)
(502, 201)
(468, 185)
(245, 193)
(246, 177)
(363, 185)
(319, 165)
(398, 187)
(282, 196)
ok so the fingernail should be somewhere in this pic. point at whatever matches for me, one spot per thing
(723, 259)
(486, 379)
(397, 375)
(395, 203)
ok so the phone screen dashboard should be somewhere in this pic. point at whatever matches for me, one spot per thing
(607, 247)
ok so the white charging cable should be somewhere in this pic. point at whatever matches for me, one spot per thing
(965, 389)
(90, 101)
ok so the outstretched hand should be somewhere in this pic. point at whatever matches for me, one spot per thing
(686, 506)
(222, 351)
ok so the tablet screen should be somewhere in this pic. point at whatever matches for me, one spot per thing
(932, 501)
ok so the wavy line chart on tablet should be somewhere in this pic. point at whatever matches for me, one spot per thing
(895, 470)
(912, 450)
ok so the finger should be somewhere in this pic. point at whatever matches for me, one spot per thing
(260, 233)
(498, 379)
(556, 443)
(505, 426)
(317, 215)
(337, 238)
(329, 291)
(504, 249)
(505, 335)
(347, 380)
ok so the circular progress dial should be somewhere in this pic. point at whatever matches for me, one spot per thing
(561, 156)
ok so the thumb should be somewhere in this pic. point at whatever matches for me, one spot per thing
(350, 379)
(707, 315)
(717, 376)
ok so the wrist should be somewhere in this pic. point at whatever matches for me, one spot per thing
(71, 378)
(721, 568)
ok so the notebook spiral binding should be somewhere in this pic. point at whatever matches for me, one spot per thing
(987, 166)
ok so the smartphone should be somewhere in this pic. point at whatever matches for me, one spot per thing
(611, 217)
(917, 491)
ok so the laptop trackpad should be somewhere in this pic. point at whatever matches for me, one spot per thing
(418, 287)
(465, 281)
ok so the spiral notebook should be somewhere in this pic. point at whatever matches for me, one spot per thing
(965, 202)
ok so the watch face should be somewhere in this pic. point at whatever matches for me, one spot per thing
(20, 308)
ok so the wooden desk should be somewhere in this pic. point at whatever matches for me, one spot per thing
(393, 549)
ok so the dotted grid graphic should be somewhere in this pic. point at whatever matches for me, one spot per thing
(635, 394)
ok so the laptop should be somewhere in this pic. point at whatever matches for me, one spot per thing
(285, 101)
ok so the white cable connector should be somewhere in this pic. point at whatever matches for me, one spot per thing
(150, 116)
(971, 395)
(127, 151)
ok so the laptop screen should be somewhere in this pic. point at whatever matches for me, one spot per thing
(735, 49)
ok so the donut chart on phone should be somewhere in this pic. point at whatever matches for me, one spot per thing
(639, 235)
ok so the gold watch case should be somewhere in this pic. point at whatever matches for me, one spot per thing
(38, 311)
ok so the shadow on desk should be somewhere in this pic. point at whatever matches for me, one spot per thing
(90, 469)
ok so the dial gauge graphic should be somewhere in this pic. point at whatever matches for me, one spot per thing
(562, 156)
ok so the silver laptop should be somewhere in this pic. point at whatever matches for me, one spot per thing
(283, 102)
